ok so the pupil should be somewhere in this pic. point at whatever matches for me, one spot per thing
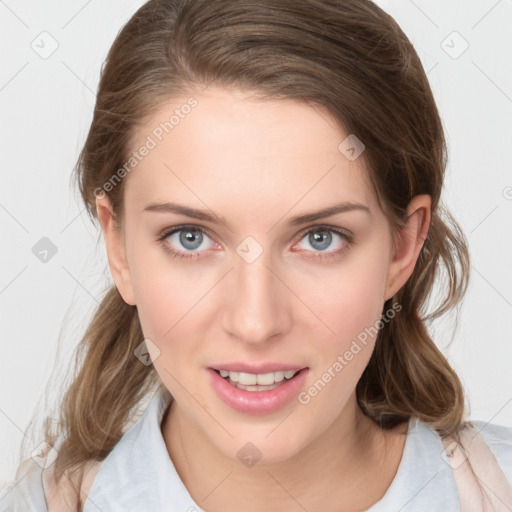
(191, 239)
(323, 238)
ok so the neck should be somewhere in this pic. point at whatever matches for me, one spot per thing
(342, 469)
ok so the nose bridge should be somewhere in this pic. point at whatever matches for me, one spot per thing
(257, 308)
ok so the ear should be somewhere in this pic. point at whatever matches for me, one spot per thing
(116, 251)
(408, 243)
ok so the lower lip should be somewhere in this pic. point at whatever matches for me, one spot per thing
(257, 402)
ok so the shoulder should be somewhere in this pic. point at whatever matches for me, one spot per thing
(60, 497)
(25, 491)
(34, 489)
(499, 439)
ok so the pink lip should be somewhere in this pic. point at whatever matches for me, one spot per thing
(255, 368)
(257, 402)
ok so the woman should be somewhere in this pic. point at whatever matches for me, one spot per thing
(267, 177)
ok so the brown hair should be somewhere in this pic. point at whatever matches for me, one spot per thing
(348, 57)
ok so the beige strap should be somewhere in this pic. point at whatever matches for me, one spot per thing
(495, 494)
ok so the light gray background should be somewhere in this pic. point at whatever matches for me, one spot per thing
(47, 107)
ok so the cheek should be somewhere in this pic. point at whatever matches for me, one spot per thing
(163, 316)
(351, 306)
(361, 300)
(159, 294)
(169, 305)
(347, 299)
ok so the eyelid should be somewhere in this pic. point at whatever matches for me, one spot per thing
(319, 226)
(166, 232)
(169, 231)
(344, 233)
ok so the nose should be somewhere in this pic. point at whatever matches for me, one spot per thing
(256, 307)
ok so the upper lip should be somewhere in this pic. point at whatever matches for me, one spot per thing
(257, 368)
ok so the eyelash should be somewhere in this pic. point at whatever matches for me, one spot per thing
(348, 241)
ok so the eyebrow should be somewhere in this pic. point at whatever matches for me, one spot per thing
(209, 216)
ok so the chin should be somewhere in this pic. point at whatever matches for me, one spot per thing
(261, 448)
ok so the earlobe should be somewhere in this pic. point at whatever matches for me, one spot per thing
(116, 252)
(408, 244)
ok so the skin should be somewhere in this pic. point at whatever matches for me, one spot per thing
(257, 164)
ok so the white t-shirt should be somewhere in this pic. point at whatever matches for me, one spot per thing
(138, 474)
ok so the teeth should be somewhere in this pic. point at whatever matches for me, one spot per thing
(262, 379)
(278, 376)
(247, 379)
(265, 379)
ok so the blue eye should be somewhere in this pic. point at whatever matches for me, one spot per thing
(192, 238)
(321, 238)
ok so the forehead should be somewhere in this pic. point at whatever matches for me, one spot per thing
(227, 146)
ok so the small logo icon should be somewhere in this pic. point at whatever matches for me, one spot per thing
(249, 249)
(454, 45)
(44, 455)
(249, 455)
(351, 147)
(454, 455)
(44, 250)
(45, 45)
(147, 352)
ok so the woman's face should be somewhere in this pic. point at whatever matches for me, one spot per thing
(247, 285)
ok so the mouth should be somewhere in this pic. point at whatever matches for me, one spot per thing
(257, 381)
(257, 392)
